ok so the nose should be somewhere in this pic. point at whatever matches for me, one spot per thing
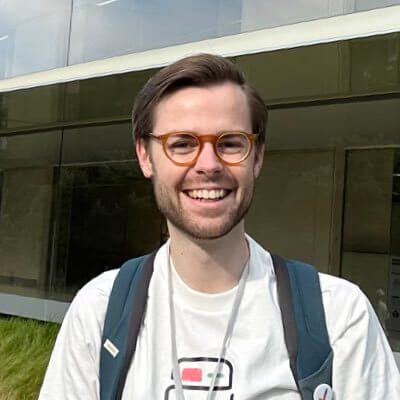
(207, 161)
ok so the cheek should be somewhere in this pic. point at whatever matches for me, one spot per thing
(244, 181)
(169, 177)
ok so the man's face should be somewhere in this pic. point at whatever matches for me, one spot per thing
(184, 193)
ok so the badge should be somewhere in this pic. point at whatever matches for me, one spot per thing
(323, 392)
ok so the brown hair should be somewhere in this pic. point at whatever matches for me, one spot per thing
(199, 70)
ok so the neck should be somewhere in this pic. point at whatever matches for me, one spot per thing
(210, 266)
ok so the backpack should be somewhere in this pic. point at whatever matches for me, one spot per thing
(302, 311)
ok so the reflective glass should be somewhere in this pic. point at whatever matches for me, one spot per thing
(365, 5)
(292, 208)
(370, 232)
(33, 35)
(259, 14)
(103, 29)
(345, 69)
(98, 144)
(31, 108)
(105, 212)
(104, 98)
(28, 170)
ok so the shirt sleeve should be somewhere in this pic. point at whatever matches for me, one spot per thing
(73, 370)
(364, 367)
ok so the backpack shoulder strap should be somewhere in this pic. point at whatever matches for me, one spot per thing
(122, 323)
(303, 317)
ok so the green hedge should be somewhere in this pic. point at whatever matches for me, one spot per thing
(25, 348)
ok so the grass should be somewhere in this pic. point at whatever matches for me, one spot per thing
(25, 348)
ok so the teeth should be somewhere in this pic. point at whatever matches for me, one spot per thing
(207, 194)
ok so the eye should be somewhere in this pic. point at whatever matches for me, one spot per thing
(232, 143)
(182, 143)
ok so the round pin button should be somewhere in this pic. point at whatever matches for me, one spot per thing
(323, 392)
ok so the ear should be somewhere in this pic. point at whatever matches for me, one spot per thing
(143, 155)
(259, 159)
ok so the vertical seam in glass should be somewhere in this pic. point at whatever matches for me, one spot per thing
(69, 33)
(54, 223)
(344, 198)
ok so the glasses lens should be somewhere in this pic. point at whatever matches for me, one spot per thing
(233, 147)
(182, 147)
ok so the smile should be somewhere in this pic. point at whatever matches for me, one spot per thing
(213, 194)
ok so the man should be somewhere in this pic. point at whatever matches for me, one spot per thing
(200, 132)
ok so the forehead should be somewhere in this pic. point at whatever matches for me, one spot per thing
(212, 108)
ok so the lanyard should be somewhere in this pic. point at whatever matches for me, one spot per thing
(228, 332)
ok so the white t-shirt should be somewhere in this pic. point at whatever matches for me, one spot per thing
(256, 364)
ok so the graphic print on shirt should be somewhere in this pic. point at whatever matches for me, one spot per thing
(197, 374)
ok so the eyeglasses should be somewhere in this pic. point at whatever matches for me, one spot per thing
(183, 148)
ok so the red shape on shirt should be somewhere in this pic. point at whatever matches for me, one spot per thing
(192, 374)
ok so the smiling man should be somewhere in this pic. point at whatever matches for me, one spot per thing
(204, 193)
(213, 325)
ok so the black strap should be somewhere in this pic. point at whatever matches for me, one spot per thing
(138, 307)
(287, 311)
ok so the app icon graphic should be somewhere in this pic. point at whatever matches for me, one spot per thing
(197, 374)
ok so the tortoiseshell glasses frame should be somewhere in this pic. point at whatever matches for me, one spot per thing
(184, 148)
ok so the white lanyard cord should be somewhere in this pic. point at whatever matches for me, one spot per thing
(175, 366)
(228, 332)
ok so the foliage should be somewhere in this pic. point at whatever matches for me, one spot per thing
(25, 348)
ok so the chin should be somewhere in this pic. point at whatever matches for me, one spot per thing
(201, 227)
(207, 234)
(206, 231)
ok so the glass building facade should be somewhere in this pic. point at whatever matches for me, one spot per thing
(73, 202)
(47, 34)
